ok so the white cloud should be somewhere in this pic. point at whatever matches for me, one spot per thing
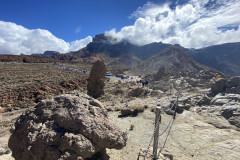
(15, 39)
(75, 45)
(195, 24)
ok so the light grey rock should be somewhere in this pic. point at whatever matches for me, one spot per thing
(227, 99)
(4, 150)
(231, 113)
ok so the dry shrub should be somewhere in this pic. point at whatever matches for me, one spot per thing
(138, 108)
(146, 106)
(153, 109)
(136, 92)
(118, 108)
(155, 93)
(117, 91)
(131, 127)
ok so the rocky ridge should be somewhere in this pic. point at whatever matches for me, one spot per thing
(224, 99)
(223, 57)
(172, 61)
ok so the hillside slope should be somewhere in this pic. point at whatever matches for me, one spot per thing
(224, 57)
(172, 61)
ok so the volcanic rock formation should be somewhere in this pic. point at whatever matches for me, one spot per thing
(96, 79)
(71, 126)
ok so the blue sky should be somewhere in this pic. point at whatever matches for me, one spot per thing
(70, 19)
(33, 26)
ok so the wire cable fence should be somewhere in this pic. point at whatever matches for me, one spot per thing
(169, 126)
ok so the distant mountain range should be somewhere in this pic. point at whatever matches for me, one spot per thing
(46, 54)
(170, 61)
(224, 57)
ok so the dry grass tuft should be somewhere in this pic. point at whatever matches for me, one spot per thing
(138, 108)
(137, 92)
(131, 127)
(153, 109)
(118, 108)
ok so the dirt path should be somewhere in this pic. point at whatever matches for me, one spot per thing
(190, 137)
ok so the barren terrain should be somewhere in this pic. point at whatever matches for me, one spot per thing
(197, 133)
(25, 84)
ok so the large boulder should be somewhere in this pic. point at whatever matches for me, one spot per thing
(219, 86)
(96, 78)
(235, 90)
(232, 114)
(225, 99)
(233, 82)
(71, 126)
(231, 85)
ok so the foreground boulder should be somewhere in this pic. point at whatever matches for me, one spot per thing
(70, 126)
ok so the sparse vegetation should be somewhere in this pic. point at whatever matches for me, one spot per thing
(136, 92)
(24, 84)
(131, 127)
(153, 109)
(146, 106)
(118, 108)
(138, 108)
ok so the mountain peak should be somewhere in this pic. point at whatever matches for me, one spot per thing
(100, 38)
(173, 59)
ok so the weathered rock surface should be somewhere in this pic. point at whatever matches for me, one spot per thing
(233, 82)
(96, 79)
(225, 99)
(219, 86)
(231, 85)
(232, 114)
(70, 126)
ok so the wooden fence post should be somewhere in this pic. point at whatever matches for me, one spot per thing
(155, 142)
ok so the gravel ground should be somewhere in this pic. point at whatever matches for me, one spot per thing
(192, 135)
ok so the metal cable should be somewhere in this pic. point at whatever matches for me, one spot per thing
(171, 122)
(152, 137)
(163, 133)
(173, 118)
(165, 139)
